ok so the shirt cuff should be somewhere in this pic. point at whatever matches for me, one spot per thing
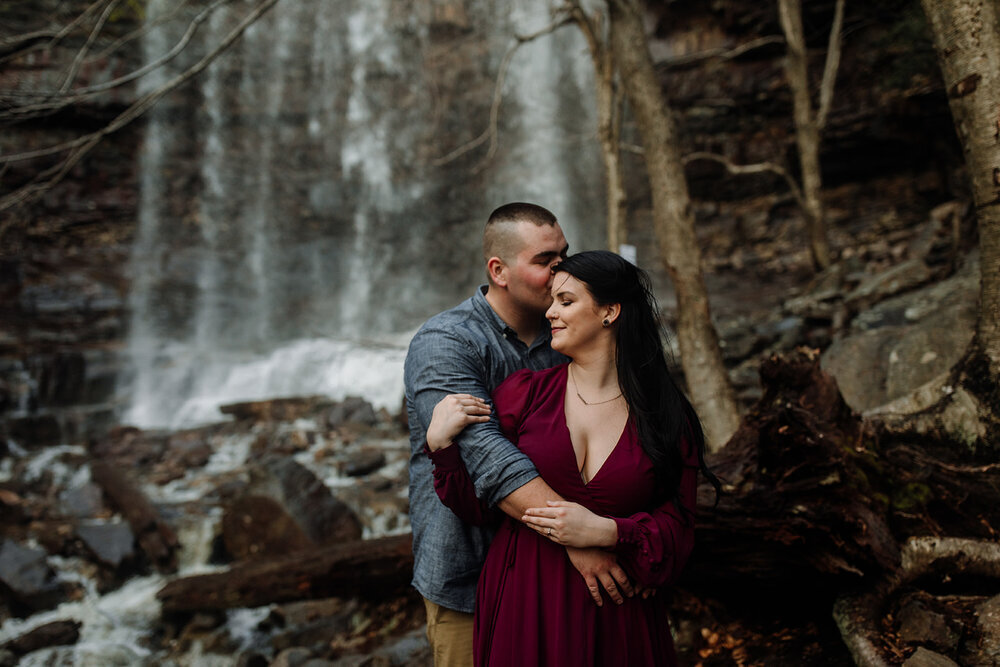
(446, 458)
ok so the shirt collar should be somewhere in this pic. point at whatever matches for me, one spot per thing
(485, 311)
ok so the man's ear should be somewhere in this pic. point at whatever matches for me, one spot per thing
(497, 271)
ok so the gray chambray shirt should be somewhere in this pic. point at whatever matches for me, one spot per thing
(465, 350)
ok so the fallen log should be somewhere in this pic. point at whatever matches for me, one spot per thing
(56, 633)
(818, 501)
(802, 501)
(372, 568)
(155, 536)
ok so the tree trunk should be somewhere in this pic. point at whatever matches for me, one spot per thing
(807, 130)
(608, 123)
(707, 379)
(365, 567)
(155, 536)
(964, 407)
(967, 39)
(609, 129)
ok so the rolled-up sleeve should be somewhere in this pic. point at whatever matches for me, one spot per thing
(440, 363)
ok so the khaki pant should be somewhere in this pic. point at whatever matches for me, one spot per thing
(450, 635)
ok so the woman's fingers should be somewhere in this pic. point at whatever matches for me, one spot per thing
(544, 527)
(451, 415)
(471, 408)
(548, 512)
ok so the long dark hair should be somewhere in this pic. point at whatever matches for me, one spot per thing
(663, 415)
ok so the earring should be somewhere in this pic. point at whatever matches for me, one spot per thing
(606, 322)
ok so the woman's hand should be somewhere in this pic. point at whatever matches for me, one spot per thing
(452, 414)
(572, 525)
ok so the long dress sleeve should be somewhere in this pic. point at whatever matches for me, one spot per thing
(455, 488)
(452, 482)
(653, 547)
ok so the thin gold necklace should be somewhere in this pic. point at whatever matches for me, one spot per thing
(585, 402)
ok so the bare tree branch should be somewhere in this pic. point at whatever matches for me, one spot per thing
(52, 102)
(490, 133)
(743, 169)
(202, 16)
(721, 53)
(19, 45)
(82, 145)
(74, 67)
(147, 25)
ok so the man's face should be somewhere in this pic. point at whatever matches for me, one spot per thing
(529, 274)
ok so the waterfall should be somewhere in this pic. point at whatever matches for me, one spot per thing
(295, 223)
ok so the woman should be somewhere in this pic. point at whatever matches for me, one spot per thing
(613, 435)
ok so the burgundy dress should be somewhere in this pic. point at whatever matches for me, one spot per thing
(532, 606)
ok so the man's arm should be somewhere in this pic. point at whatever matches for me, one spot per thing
(439, 364)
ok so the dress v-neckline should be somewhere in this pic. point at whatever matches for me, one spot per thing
(569, 435)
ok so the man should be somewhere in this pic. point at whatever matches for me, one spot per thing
(470, 349)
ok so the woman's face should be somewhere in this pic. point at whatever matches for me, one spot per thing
(576, 319)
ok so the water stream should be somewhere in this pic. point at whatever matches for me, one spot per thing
(294, 226)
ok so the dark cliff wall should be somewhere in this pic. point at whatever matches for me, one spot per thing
(889, 155)
(63, 258)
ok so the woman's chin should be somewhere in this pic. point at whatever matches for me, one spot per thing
(565, 350)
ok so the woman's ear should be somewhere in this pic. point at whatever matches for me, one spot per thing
(497, 271)
(611, 313)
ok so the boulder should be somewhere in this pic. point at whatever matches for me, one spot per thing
(921, 624)
(926, 658)
(26, 574)
(988, 614)
(904, 342)
(84, 501)
(324, 517)
(111, 543)
(255, 527)
(351, 410)
(860, 364)
(364, 461)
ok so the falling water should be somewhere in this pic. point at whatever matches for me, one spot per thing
(295, 227)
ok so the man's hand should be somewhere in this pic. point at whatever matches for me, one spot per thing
(600, 569)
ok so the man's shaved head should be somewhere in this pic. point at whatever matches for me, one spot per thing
(500, 238)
